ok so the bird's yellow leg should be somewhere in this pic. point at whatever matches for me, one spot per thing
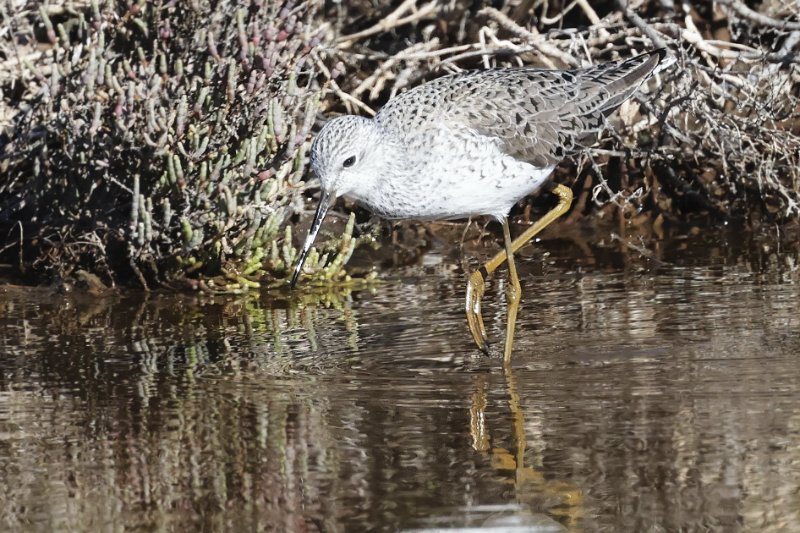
(513, 294)
(477, 280)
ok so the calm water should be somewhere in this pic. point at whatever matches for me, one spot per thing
(644, 397)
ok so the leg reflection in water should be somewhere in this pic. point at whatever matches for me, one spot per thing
(559, 499)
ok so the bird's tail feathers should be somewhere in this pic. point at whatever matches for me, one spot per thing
(624, 79)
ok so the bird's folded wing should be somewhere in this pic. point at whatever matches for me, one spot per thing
(537, 115)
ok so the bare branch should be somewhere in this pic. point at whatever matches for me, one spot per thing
(393, 20)
(759, 18)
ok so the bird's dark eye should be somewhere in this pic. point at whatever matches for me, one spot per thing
(349, 162)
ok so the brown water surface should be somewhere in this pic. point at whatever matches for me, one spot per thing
(644, 396)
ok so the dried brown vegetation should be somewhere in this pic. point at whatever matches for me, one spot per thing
(164, 142)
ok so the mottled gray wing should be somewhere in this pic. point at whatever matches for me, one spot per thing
(538, 115)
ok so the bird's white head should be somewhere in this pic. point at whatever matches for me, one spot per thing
(348, 156)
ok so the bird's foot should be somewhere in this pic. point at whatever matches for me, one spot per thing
(475, 289)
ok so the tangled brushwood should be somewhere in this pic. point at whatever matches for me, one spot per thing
(165, 142)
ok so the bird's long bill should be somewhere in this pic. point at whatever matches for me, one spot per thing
(325, 201)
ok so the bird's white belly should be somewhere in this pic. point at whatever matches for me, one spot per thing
(459, 180)
(452, 174)
(491, 190)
